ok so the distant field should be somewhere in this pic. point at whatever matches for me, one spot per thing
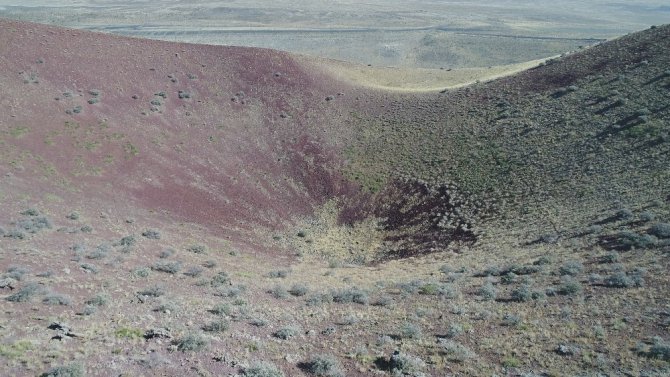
(415, 34)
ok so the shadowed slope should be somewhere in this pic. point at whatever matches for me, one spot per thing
(553, 146)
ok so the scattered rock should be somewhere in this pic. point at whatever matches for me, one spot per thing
(63, 331)
(8, 283)
(565, 350)
(160, 332)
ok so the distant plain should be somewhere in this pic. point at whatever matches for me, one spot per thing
(411, 34)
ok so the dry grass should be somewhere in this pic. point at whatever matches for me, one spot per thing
(415, 80)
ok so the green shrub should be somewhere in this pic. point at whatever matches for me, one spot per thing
(410, 331)
(660, 350)
(33, 224)
(511, 320)
(595, 278)
(508, 278)
(593, 229)
(216, 326)
(522, 294)
(258, 322)
(221, 309)
(170, 267)
(261, 369)
(430, 289)
(89, 310)
(661, 230)
(197, 249)
(406, 365)
(128, 332)
(194, 272)
(72, 370)
(166, 253)
(26, 293)
(127, 241)
(351, 295)
(569, 286)
(629, 239)
(455, 351)
(286, 332)
(622, 280)
(487, 291)
(511, 362)
(141, 272)
(221, 278)
(279, 292)
(449, 291)
(318, 299)
(647, 216)
(155, 291)
(166, 306)
(298, 289)
(454, 330)
(191, 342)
(324, 366)
(571, 268)
(101, 299)
(230, 291)
(30, 212)
(16, 272)
(523, 270)
(612, 257)
(348, 320)
(489, 271)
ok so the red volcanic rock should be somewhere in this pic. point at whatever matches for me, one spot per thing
(190, 152)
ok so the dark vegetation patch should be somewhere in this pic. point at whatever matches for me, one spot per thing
(418, 217)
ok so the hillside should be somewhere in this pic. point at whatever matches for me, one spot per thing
(174, 208)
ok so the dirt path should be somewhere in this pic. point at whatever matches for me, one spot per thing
(416, 79)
